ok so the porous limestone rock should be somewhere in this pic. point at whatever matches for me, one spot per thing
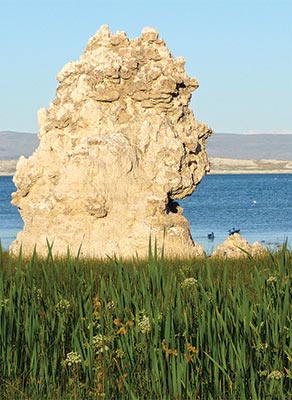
(236, 246)
(117, 146)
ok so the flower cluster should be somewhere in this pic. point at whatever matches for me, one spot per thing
(122, 326)
(72, 358)
(99, 344)
(4, 302)
(261, 347)
(167, 350)
(191, 351)
(189, 283)
(119, 353)
(96, 306)
(111, 305)
(143, 324)
(63, 307)
(39, 294)
(276, 375)
(271, 280)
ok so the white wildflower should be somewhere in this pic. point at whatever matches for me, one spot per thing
(120, 353)
(73, 358)
(4, 302)
(111, 304)
(189, 283)
(271, 280)
(144, 325)
(276, 375)
(262, 346)
(99, 344)
(63, 306)
(38, 294)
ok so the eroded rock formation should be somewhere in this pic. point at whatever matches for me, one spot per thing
(236, 246)
(117, 146)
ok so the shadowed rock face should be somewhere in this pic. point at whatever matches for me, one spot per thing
(117, 146)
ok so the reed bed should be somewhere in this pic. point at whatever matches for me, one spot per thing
(152, 329)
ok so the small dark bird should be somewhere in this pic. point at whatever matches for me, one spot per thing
(233, 231)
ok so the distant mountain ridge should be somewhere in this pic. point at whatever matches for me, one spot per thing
(220, 145)
(15, 144)
(250, 146)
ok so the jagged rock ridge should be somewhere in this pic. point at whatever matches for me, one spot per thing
(117, 146)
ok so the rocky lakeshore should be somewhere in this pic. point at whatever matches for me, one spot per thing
(7, 167)
(234, 166)
(218, 166)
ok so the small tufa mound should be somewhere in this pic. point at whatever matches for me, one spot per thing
(117, 146)
(236, 247)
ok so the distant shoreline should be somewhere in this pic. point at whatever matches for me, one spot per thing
(234, 166)
(218, 166)
(7, 167)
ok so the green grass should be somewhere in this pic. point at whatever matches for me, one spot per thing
(152, 329)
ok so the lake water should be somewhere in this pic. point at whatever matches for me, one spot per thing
(259, 205)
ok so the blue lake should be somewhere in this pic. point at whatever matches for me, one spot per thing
(259, 205)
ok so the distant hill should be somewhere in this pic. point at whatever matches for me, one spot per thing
(250, 146)
(220, 145)
(15, 144)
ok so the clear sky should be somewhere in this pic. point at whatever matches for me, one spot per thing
(239, 50)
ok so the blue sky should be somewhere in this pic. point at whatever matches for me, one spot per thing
(239, 50)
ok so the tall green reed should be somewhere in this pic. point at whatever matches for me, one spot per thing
(155, 328)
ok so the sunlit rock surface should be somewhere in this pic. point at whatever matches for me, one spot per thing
(118, 146)
(236, 246)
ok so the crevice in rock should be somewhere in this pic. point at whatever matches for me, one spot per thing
(197, 149)
(171, 206)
